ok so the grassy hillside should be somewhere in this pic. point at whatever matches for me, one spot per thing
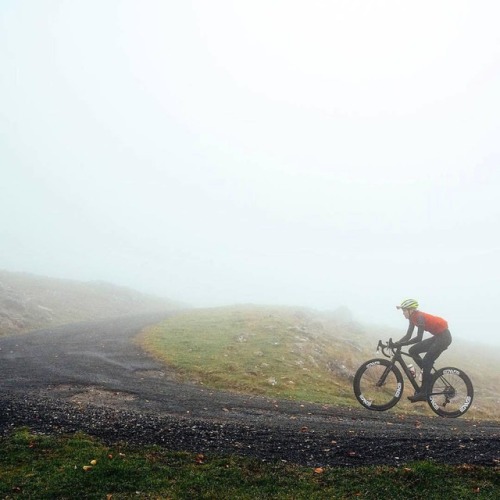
(29, 302)
(294, 353)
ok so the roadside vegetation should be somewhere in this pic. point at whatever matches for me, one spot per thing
(295, 354)
(78, 466)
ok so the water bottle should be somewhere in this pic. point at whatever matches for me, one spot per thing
(412, 370)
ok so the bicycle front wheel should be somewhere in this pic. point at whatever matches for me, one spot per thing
(378, 385)
(451, 392)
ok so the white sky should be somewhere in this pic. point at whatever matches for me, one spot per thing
(311, 153)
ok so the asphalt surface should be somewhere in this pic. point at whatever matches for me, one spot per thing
(93, 377)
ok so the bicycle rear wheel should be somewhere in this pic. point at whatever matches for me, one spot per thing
(378, 385)
(451, 392)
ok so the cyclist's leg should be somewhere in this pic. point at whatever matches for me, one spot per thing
(414, 352)
(416, 349)
(438, 344)
(433, 348)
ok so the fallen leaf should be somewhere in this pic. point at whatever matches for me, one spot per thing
(200, 458)
(86, 468)
(93, 462)
(319, 470)
(304, 429)
(466, 467)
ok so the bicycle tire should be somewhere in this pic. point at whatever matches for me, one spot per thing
(368, 390)
(451, 392)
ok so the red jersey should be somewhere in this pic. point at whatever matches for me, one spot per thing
(429, 323)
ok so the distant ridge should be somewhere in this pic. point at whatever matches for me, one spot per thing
(29, 302)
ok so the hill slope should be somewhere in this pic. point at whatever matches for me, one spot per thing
(28, 302)
(295, 354)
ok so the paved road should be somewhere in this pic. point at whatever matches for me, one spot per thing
(94, 377)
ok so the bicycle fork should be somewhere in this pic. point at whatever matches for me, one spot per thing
(383, 377)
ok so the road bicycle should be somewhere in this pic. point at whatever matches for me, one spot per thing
(378, 384)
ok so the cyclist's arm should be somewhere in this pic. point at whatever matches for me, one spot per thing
(418, 337)
(420, 322)
(406, 339)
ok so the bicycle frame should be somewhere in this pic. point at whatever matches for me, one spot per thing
(397, 357)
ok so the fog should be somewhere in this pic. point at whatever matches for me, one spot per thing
(316, 154)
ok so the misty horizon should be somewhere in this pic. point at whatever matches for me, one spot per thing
(305, 154)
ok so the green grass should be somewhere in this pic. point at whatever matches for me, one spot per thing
(43, 467)
(254, 350)
(286, 353)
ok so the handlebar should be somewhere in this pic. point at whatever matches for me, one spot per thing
(388, 345)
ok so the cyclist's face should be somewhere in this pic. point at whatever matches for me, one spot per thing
(406, 313)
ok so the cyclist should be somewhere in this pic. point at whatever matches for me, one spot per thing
(433, 347)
